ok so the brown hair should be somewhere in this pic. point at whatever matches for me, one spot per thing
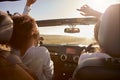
(23, 30)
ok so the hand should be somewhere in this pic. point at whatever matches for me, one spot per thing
(85, 10)
(30, 2)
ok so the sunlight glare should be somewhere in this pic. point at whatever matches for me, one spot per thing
(101, 5)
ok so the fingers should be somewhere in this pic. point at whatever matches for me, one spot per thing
(78, 9)
(85, 10)
(33, 1)
(83, 14)
(30, 2)
(85, 6)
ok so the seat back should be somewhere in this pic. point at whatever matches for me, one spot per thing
(12, 70)
(98, 69)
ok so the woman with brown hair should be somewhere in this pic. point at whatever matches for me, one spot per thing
(25, 35)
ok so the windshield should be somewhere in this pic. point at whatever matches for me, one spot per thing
(60, 9)
(56, 35)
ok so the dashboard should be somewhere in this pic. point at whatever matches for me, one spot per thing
(66, 53)
(65, 58)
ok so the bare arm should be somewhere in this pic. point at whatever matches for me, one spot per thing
(85, 10)
(30, 2)
(28, 5)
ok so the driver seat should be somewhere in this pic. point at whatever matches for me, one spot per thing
(98, 69)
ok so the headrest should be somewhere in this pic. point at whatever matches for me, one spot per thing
(109, 31)
(6, 27)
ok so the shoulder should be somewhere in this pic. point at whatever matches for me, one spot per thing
(85, 56)
(38, 50)
(12, 58)
(41, 48)
(36, 53)
(96, 54)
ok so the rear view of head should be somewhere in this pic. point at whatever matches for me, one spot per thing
(6, 27)
(109, 31)
(24, 30)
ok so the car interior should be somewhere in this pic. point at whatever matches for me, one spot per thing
(65, 57)
(66, 39)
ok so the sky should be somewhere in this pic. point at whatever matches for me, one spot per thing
(54, 9)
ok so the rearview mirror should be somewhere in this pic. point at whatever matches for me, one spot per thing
(72, 29)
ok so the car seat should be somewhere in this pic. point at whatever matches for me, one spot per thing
(109, 41)
(98, 69)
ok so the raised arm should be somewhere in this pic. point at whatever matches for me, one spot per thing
(85, 10)
(28, 5)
